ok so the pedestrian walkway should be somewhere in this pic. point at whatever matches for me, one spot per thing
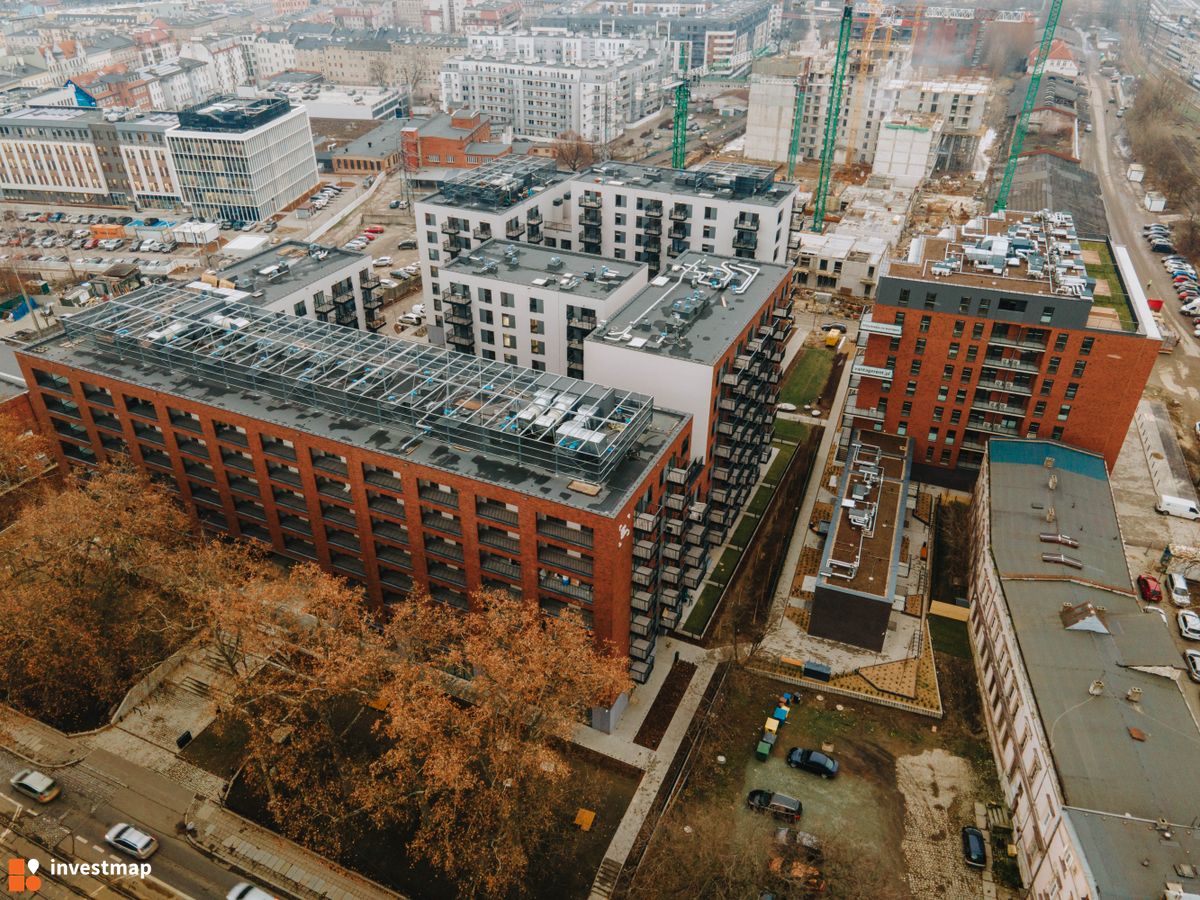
(265, 856)
(37, 743)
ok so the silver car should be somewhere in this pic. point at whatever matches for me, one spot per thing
(1189, 624)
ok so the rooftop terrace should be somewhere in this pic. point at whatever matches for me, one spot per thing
(553, 270)
(569, 440)
(695, 308)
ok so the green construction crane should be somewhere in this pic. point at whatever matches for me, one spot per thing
(797, 115)
(1031, 95)
(832, 117)
(682, 94)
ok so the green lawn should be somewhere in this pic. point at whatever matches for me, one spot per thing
(723, 570)
(741, 535)
(786, 452)
(705, 604)
(1106, 271)
(787, 430)
(806, 378)
(759, 501)
(949, 636)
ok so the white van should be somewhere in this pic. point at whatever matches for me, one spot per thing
(1177, 506)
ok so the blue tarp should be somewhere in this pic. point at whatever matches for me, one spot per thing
(22, 309)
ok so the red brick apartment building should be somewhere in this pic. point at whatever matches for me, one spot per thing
(396, 464)
(1014, 325)
(458, 140)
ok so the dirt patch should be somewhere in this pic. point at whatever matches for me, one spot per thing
(938, 790)
(825, 401)
(662, 710)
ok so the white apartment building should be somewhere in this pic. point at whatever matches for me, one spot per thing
(149, 167)
(179, 83)
(561, 47)
(541, 100)
(243, 158)
(528, 305)
(272, 52)
(224, 54)
(1082, 695)
(307, 280)
(652, 214)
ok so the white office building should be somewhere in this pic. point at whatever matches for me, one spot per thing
(243, 158)
(596, 98)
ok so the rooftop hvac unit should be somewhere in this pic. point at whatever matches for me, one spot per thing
(554, 263)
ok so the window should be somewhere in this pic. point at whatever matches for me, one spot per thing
(1039, 408)
(301, 308)
(906, 408)
(1064, 411)
(972, 352)
(537, 326)
(933, 435)
(938, 413)
(431, 221)
(955, 416)
(910, 389)
(925, 323)
(943, 393)
(1008, 305)
(930, 299)
(964, 304)
(977, 332)
(485, 295)
(1060, 341)
(920, 347)
(1078, 370)
(710, 212)
(508, 301)
(507, 320)
(1086, 347)
(960, 396)
(915, 367)
(952, 352)
(1072, 390)
(537, 306)
(1033, 429)
(947, 372)
(928, 454)
(902, 428)
(1047, 315)
(965, 375)
(538, 348)
(488, 337)
(1052, 368)
(902, 299)
(893, 344)
(1047, 387)
(1056, 434)
(959, 325)
(985, 307)
(509, 341)
(899, 320)
(945, 459)
(486, 317)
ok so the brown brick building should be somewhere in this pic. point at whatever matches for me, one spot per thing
(398, 465)
(1016, 326)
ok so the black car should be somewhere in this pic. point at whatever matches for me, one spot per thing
(1162, 247)
(812, 761)
(124, 220)
(789, 809)
(974, 847)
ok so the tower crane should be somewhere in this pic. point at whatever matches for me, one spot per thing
(1031, 95)
(797, 117)
(682, 94)
(832, 118)
(861, 67)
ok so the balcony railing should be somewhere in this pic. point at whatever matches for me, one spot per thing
(590, 201)
(557, 585)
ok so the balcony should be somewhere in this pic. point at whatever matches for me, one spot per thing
(746, 223)
(514, 230)
(875, 415)
(1010, 387)
(868, 324)
(496, 565)
(501, 540)
(559, 584)
(482, 233)
(393, 557)
(451, 227)
(461, 340)
(560, 559)
(1000, 340)
(437, 495)
(375, 320)
(1011, 365)
(998, 406)
(448, 524)
(372, 300)
(679, 214)
(444, 549)
(323, 305)
(654, 226)
(993, 427)
(448, 574)
(744, 241)
(591, 201)
(678, 232)
(339, 515)
(497, 512)
(862, 369)
(590, 217)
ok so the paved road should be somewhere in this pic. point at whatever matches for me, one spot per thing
(97, 794)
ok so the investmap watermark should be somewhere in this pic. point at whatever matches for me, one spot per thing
(23, 877)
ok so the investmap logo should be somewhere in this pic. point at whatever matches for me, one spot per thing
(22, 876)
(24, 880)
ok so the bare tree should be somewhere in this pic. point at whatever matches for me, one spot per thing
(412, 65)
(380, 73)
(572, 152)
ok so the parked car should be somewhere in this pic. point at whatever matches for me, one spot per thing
(407, 245)
(812, 761)
(395, 204)
(367, 236)
(1177, 587)
(1192, 658)
(1149, 587)
(374, 229)
(383, 261)
(974, 847)
(781, 806)
(32, 783)
(410, 319)
(1162, 247)
(1189, 624)
(130, 840)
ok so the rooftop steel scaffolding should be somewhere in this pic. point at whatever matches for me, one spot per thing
(557, 424)
(502, 182)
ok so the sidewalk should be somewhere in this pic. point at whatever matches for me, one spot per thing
(261, 854)
(36, 743)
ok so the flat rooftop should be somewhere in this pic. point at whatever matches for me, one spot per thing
(499, 184)
(576, 274)
(1077, 622)
(229, 114)
(832, 245)
(694, 309)
(1038, 254)
(282, 270)
(548, 436)
(709, 181)
(863, 546)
